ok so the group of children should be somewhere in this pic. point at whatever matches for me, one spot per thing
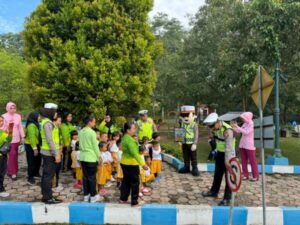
(109, 168)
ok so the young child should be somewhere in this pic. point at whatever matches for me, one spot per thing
(79, 173)
(142, 174)
(156, 136)
(119, 168)
(146, 145)
(103, 173)
(74, 140)
(114, 149)
(156, 163)
(146, 176)
(5, 139)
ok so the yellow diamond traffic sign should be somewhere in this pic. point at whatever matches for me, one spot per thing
(266, 86)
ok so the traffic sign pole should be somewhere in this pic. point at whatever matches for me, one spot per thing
(231, 208)
(261, 116)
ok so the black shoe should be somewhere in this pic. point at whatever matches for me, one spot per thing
(224, 202)
(31, 182)
(52, 201)
(195, 172)
(209, 194)
(184, 170)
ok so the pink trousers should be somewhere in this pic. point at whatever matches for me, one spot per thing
(249, 155)
(12, 163)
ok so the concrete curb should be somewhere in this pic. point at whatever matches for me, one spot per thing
(84, 213)
(210, 167)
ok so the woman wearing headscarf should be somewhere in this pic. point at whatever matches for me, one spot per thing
(65, 129)
(11, 117)
(32, 147)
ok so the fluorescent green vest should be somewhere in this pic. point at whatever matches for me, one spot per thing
(55, 136)
(220, 139)
(145, 129)
(189, 136)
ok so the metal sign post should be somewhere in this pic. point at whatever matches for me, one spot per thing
(261, 118)
(234, 181)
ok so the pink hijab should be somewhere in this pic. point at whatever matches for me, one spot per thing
(11, 117)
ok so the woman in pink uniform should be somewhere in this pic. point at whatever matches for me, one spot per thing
(11, 117)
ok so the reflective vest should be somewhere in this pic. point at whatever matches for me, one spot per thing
(55, 135)
(189, 134)
(145, 129)
(220, 139)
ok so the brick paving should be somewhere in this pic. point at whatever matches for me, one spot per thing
(174, 188)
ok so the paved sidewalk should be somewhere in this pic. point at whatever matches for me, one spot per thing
(174, 188)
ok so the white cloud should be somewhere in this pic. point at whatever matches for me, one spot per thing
(177, 8)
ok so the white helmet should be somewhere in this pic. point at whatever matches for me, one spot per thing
(143, 112)
(50, 106)
(211, 119)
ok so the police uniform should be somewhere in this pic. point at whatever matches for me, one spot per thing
(225, 145)
(190, 156)
(145, 128)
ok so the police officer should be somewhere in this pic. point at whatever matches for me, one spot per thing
(49, 151)
(225, 151)
(146, 126)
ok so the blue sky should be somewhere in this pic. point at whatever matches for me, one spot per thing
(13, 12)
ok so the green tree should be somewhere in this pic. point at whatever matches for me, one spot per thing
(171, 33)
(13, 85)
(91, 56)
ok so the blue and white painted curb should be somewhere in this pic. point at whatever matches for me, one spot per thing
(210, 167)
(84, 213)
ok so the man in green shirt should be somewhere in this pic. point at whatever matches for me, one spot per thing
(89, 157)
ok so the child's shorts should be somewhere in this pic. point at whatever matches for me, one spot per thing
(156, 166)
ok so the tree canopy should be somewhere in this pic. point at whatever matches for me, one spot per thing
(91, 56)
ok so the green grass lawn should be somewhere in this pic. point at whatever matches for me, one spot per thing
(290, 147)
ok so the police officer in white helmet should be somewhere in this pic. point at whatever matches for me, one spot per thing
(225, 141)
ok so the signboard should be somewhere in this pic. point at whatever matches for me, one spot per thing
(234, 180)
(268, 132)
(179, 134)
(267, 84)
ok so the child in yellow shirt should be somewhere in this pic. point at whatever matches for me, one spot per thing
(104, 168)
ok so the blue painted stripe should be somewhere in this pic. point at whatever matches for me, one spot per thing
(159, 214)
(291, 216)
(85, 213)
(221, 215)
(210, 167)
(15, 213)
(296, 169)
(177, 163)
(268, 168)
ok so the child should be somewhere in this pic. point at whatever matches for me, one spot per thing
(156, 163)
(213, 146)
(97, 133)
(146, 176)
(119, 168)
(146, 146)
(142, 174)
(103, 137)
(103, 168)
(74, 140)
(113, 148)
(5, 139)
(156, 136)
(79, 173)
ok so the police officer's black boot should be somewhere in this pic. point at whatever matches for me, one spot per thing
(185, 169)
(195, 171)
